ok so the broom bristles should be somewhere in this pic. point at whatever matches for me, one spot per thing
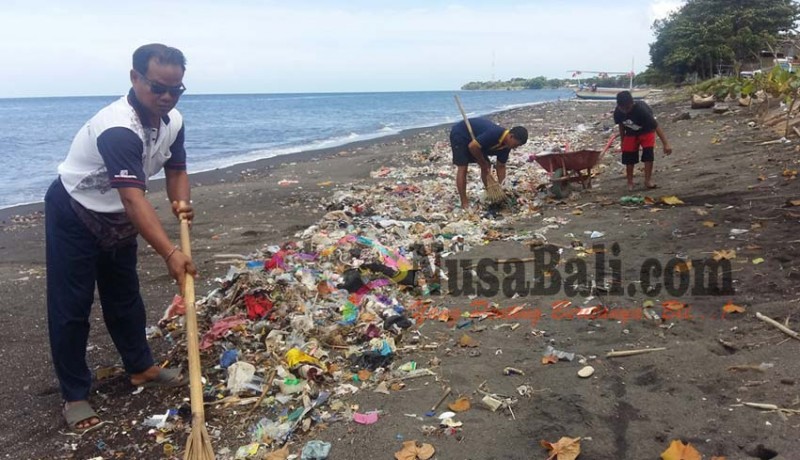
(494, 191)
(198, 446)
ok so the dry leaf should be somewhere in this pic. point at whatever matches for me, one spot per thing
(323, 288)
(425, 451)
(719, 458)
(726, 254)
(367, 317)
(758, 260)
(577, 212)
(791, 173)
(730, 307)
(280, 454)
(700, 211)
(565, 449)
(649, 200)
(467, 341)
(709, 224)
(460, 405)
(364, 375)
(794, 202)
(673, 305)
(683, 267)
(762, 177)
(680, 451)
(671, 200)
(411, 451)
(549, 359)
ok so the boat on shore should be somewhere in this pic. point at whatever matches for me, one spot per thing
(608, 94)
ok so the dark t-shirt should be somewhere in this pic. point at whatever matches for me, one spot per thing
(488, 135)
(639, 120)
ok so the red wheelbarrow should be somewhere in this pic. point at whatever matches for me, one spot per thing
(569, 166)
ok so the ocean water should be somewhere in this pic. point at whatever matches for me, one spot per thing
(222, 130)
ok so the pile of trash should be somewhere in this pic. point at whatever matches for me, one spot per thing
(294, 329)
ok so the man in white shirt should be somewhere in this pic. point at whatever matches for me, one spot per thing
(94, 211)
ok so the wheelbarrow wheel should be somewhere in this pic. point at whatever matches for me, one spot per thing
(560, 188)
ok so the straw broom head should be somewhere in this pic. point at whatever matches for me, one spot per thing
(198, 446)
(494, 191)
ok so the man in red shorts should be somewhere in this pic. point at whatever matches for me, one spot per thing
(638, 128)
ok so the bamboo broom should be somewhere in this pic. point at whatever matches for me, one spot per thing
(198, 446)
(494, 191)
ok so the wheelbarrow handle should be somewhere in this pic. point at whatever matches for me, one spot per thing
(608, 145)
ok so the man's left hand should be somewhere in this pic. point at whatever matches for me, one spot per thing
(667, 149)
(183, 210)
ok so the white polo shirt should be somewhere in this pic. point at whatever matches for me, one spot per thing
(115, 150)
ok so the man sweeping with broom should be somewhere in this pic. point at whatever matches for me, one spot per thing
(474, 141)
(94, 212)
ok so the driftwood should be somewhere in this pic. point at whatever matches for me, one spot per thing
(773, 120)
(447, 392)
(621, 353)
(700, 102)
(771, 408)
(774, 141)
(761, 406)
(781, 327)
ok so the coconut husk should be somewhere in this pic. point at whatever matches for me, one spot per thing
(702, 102)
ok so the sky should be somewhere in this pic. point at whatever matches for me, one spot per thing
(84, 47)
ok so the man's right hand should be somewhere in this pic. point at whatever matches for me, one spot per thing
(179, 264)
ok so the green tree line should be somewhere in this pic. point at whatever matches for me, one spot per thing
(705, 36)
(544, 82)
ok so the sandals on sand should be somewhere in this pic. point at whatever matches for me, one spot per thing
(81, 411)
(166, 378)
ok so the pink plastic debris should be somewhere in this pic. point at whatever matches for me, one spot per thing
(365, 419)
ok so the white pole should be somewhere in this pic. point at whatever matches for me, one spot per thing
(631, 74)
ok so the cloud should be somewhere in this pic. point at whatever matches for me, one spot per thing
(663, 8)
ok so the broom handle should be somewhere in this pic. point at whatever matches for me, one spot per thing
(192, 342)
(464, 114)
(469, 128)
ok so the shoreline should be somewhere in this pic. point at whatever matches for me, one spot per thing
(201, 178)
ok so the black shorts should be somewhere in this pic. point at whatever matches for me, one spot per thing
(631, 144)
(631, 158)
(462, 156)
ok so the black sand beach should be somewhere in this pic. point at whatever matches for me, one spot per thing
(631, 408)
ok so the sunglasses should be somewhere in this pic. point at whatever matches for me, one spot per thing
(158, 88)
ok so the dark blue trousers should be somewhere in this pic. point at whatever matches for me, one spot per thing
(75, 263)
